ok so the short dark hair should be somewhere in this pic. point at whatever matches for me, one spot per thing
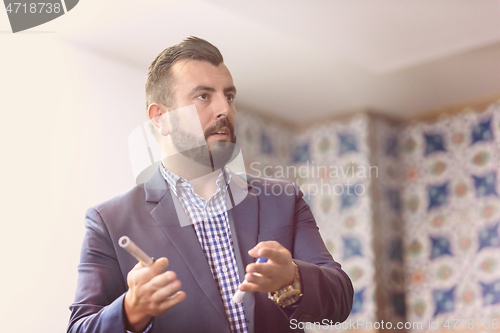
(158, 83)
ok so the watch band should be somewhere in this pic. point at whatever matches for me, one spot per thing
(290, 294)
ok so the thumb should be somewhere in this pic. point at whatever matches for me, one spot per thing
(137, 266)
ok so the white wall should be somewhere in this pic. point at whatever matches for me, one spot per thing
(65, 117)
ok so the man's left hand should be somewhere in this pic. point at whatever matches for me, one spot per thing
(272, 275)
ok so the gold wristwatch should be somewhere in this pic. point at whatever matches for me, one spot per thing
(290, 294)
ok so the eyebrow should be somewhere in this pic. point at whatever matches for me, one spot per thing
(207, 88)
(230, 89)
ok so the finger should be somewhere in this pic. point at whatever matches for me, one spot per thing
(249, 287)
(161, 280)
(257, 278)
(163, 293)
(279, 256)
(137, 266)
(134, 276)
(140, 275)
(266, 244)
(173, 300)
(159, 265)
(165, 304)
(263, 269)
(256, 283)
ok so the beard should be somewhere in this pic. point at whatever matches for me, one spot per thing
(214, 154)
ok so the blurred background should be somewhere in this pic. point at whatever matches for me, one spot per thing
(397, 97)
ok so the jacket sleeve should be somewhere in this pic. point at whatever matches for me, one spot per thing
(98, 305)
(326, 288)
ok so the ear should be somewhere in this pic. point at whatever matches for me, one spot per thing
(157, 114)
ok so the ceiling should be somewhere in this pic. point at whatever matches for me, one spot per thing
(302, 60)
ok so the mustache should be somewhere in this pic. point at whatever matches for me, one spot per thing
(220, 123)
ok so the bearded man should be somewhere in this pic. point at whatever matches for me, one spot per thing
(229, 221)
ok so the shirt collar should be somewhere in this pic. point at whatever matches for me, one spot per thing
(175, 181)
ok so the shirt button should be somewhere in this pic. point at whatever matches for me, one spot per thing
(217, 238)
(224, 269)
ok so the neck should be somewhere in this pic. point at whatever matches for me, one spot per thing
(206, 186)
(203, 178)
(186, 168)
(181, 165)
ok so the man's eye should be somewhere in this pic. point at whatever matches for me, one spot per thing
(203, 96)
(230, 98)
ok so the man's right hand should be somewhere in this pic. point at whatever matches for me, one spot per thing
(150, 293)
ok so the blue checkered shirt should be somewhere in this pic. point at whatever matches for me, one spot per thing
(211, 224)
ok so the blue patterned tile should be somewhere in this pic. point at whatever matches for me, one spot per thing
(392, 146)
(301, 153)
(352, 247)
(482, 132)
(444, 300)
(488, 237)
(265, 144)
(437, 195)
(440, 246)
(348, 143)
(396, 250)
(358, 300)
(491, 292)
(433, 143)
(349, 197)
(486, 185)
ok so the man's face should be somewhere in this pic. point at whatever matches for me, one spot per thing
(210, 88)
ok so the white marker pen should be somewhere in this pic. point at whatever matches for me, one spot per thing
(134, 250)
(238, 295)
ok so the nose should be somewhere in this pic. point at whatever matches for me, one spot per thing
(222, 108)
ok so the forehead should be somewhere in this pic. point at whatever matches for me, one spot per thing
(195, 72)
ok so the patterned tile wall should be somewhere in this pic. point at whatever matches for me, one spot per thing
(419, 238)
(331, 164)
(342, 205)
(452, 212)
(265, 145)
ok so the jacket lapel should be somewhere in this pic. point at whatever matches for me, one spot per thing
(245, 217)
(183, 238)
(244, 221)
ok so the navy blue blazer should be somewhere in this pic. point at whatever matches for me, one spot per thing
(147, 215)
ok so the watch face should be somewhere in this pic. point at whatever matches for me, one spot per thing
(289, 298)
